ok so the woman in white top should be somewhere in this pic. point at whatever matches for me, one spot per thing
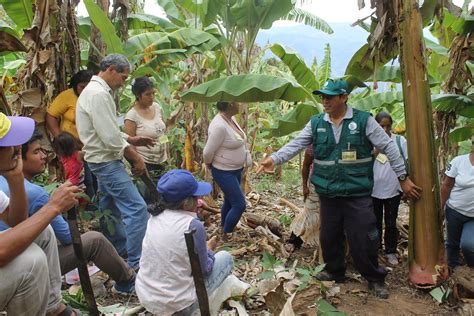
(457, 197)
(145, 118)
(226, 155)
(386, 193)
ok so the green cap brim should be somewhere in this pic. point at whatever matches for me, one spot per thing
(329, 92)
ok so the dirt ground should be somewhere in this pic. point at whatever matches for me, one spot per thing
(248, 246)
(353, 297)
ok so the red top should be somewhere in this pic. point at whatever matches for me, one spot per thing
(73, 168)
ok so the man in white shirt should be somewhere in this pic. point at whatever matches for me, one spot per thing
(29, 264)
(105, 147)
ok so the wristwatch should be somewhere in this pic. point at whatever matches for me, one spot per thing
(402, 177)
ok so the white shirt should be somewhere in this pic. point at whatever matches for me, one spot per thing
(386, 184)
(153, 128)
(461, 198)
(96, 122)
(164, 283)
(4, 202)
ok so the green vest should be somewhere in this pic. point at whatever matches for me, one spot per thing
(344, 169)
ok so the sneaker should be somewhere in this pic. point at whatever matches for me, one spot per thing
(124, 288)
(392, 259)
(378, 289)
(326, 276)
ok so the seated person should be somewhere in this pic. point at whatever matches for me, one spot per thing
(164, 283)
(96, 247)
(29, 266)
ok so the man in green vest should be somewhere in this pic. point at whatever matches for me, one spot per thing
(343, 139)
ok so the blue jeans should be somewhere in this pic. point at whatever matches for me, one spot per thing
(234, 200)
(460, 232)
(222, 268)
(120, 196)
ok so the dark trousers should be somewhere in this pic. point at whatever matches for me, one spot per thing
(355, 218)
(386, 210)
(234, 199)
(460, 235)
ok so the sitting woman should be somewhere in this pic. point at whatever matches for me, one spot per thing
(145, 118)
(164, 282)
(457, 192)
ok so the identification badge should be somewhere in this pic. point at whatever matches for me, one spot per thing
(349, 155)
(382, 158)
(163, 139)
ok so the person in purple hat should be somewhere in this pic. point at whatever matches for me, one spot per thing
(164, 282)
(29, 265)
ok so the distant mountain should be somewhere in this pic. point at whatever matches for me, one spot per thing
(309, 42)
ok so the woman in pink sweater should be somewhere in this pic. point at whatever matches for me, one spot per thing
(226, 155)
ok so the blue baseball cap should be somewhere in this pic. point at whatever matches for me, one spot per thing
(179, 184)
(334, 87)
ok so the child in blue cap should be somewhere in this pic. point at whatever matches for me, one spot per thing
(164, 282)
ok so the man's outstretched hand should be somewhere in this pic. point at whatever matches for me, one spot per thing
(267, 165)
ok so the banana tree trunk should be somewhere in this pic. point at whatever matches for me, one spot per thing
(426, 251)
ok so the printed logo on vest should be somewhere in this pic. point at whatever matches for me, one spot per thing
(353, 128)
(321, 130)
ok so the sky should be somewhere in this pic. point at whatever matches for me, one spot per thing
(332, 11)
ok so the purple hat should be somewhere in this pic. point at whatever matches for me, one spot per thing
(178, 184)
(15, 130)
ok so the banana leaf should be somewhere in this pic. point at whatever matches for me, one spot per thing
(149, 22)
(461, 134)
(294, 120)
(246, 88)
(303, 75)
(106, 28)
(382, 99)
(20, 11)
(462, 104)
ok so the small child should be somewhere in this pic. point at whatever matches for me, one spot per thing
(71, 158)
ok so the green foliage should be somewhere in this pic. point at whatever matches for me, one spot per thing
(323, 72)
(303, 75)
(382, 99)
(294, 120)
(106, 28)
(285, 220)
(20, 11)
(462, 104)
(440, 294)
(307, 276)
(246, 88)
(77, 301)
(300, 16)
(269, 263)
(326, 309)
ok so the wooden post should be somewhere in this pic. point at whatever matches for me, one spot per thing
(426, 249)
(201, 291)
(82, 263)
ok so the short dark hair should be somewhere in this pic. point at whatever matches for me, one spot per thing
(140, 85)
(80, 77)
(381, 115)
(222, 105)
(120, 62)
(37, 136)
(65, 144)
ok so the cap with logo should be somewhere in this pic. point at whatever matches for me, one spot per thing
(179, 184)
(334, 87)
(15, 130)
